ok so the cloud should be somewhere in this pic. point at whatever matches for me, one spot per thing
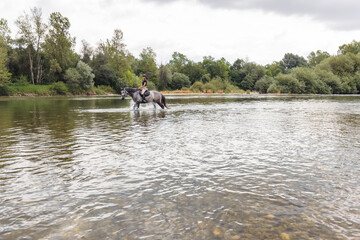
(338, 15)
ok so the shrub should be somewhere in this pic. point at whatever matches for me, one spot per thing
(229, 88)
(87, 77)
(72, 78)
(209, 86)
(307, 79)
(197, 87)
(59, 88)
(263, 84)
(180, 80)
(5, 90)
(285, 83)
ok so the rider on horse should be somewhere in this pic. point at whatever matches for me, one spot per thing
(143, 88)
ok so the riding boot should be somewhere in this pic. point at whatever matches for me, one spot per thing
(143, 98)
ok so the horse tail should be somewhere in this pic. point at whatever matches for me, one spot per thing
(163, 100)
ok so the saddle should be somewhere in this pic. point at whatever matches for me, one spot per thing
(147, 93)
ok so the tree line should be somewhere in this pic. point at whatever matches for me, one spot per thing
(42, 53)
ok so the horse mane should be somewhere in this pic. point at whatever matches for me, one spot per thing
(131, 90)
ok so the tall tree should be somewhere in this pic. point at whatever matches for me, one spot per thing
(164, 77)
(113, 52)
(4, 73)
(58, 47)
(87, 52)
(147, 64)
(32, 32)
(353, 47)
(178, 62)
(291, 60)
(317, 57)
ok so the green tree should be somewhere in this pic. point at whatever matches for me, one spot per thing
(147, 65)
(307, 79)
(58, 47)
(180, 80)
(353, 47)
(87, 52)
(164, 77)
(4, 46)
(113, 52)
(317, 57)
(4, 73)
(263, 84)
(220, 68)
(80, 77)
(291, 60)
(178, 62)
(285, 83)
(197, 87)
(273, 69)
(32, 33)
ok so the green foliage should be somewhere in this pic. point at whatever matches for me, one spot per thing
(4, 73)
(43, 53)
(147, 64)
(210, 86)
(72, 78)
(87, 77)
(273, 69)
(164, 77)
(318, 57)
(21, 81)
(80, 77)
(114, 53)
(285, 83)
(245, 74)
(180, 80)
(219, 68)
(291, 60)
(58, 46)
(353, 47)
(197, 87)
(307, 79)
(263, 84)
(59, 88)
(30, 90)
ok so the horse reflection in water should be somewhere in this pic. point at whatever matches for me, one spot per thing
(154, 97)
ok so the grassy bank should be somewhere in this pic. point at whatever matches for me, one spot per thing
(56, 89)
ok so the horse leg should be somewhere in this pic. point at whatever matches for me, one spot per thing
(161, 105)
(154, 104)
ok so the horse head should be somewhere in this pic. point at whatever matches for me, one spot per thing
(124, 93)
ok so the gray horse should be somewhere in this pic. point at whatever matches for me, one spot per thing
(154, 97)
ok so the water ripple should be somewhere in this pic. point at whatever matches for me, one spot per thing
(228, 167)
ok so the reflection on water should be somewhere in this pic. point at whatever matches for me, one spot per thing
(222, 167)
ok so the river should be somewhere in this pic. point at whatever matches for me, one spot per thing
(210, 167)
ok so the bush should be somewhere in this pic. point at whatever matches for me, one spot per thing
(229, 88)
(87, 77)
(21, 81)
(197, 87)
(80, 77)
(5, 90)
(263, 84)
(179, 81)
(59, 88)
(209, 86)
(72, 78)
(285, 83)
(307, 79)
(106, 89)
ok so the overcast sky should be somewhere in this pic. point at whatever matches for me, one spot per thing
(261, 31)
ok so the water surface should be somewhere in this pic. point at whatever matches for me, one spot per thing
(211, 167)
